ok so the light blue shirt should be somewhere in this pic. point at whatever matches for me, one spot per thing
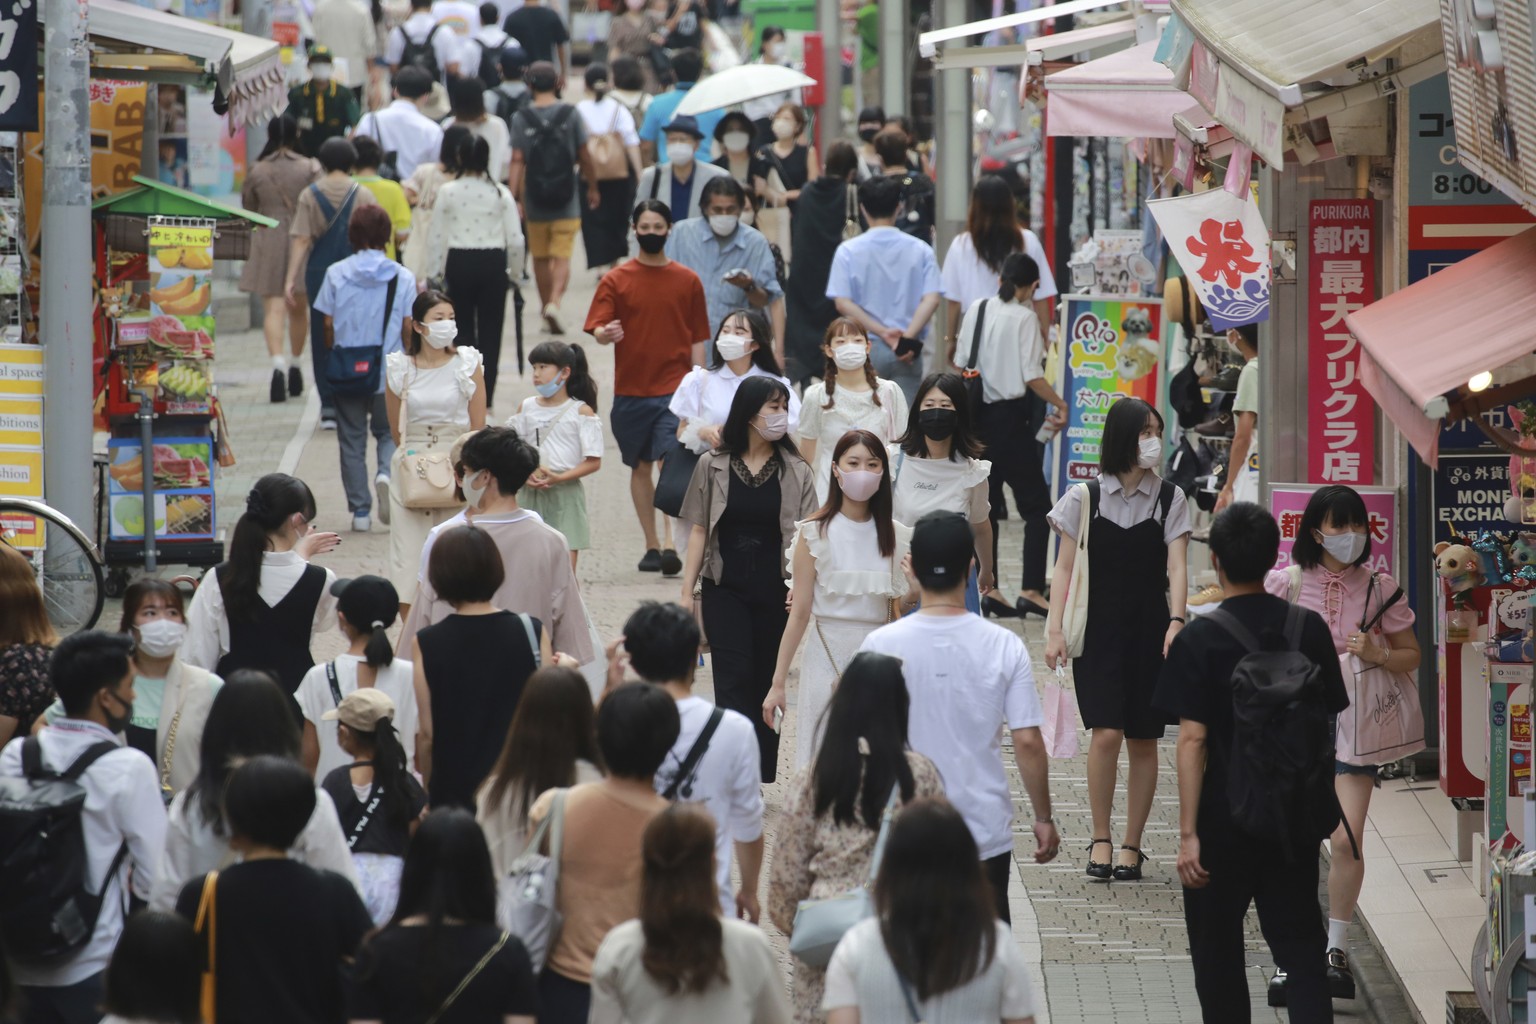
(659, 114)
(887, 273)
(353, 297)
(696, 246)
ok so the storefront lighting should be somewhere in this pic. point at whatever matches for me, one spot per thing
(1480, 382)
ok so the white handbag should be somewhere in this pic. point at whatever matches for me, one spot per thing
(1074, 616)
(821, 924)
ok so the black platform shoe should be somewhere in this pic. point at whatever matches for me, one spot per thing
(1130, 872)
(1096, 869)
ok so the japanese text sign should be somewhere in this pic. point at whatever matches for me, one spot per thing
(1287, 502)
(1222, 245)
(1341, 278)
(18, 65)
(1114, 350)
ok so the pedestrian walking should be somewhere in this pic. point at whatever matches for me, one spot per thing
(845, 569)
(968, 676)
(435, 391)
(601, 854)
(27, 639)
(365, 300)
(732, 259)
(510, 94)
(378, 800)
(635, 34)
(1137, 544)
(481, 54)
(825, 840)
(467, 96)
(260, 606)
(421, 192)
(734, 134)
(871, 121)
(743, 348)
(390, 194)
(1004, 346)
(120, 833)
(915, 191)
(933, 951)
(543, 33)
(1242, 476)
(679, 962)
(317, 238)
(848, 397)
(535, 564)
(1199, 684)
(365, 608)
(743, 504)
(774, 51)
(828, 213)
(656, 143)
(934, 467)
(349, 30)
(155, 973)
(888, 283)
(611, 134)
(715, 758)
(653, 310)
(629, 87)
(403, 128)
(561, 422)
(442, 956)
(424, 46)
(1330, 574)
(551, 744)
(282, 929)
(782, 167)
(323, 107)
(272, 188)
(680, 179)
(249, 718)
(470, 668)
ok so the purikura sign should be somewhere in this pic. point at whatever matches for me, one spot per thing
(1222, 245)
(1341, 278)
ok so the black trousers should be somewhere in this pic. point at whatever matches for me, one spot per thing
(562, 1000)
(999, 870)
(1015, 455)
(477, 283)
(745, 625)
(1289, 916)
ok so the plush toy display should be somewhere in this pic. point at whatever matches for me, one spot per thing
(1458, 565)
(1522, 552)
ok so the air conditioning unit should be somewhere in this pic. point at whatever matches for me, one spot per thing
(1490, 54)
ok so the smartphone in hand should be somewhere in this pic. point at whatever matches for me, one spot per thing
(909, 345)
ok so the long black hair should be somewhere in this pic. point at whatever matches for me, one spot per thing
(762, 336)
(448, 152)
(424, 304)
(1122, 435)
(965, 442)
(275, 499)
(475, 158)
(567, 356)
(993, 221)
(156, 969)
(250, 716)
(868, 707)
(751, 396)
(1335, 505)
(282, 133)
(383, 749)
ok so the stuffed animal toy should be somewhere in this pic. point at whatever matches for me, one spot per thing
(1139, 354)
(1521, 504)
(1522, 551)
(1458, 566)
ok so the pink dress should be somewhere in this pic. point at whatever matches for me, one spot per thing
(1340, 599)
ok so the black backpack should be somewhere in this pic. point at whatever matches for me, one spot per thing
(507, 107)
(1280, 771)
(421, 54)
(45, 910)
(551, 178)
(490, 62)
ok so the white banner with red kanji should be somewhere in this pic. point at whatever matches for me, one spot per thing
(1222, 245)
(1341, 278)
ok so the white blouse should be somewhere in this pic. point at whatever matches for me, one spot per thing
(439, 394)
(564, 437)
(704, 397)
(851, 410)
(854, 581)
(920, 485)
(208, 624)
(608, 115)
(473, 213)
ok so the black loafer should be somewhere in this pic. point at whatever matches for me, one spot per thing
(295, 382)
(651, 562)
(279, 391)
(671, 565)
(1277, 989)
(1341, 980)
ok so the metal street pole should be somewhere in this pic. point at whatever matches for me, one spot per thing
(829, 22)
(953, 138)
(66, 331)
(894, 18)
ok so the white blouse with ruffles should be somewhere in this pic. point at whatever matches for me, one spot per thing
(438, 395)
(921, 485)
(854, 581)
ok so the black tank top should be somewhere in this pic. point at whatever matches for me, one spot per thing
(276, 639)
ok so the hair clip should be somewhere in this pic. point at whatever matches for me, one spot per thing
(863, 747)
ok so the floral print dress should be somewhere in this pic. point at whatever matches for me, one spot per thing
(24, 688)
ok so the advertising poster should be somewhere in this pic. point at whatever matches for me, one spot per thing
(1341, 278)
(1287, 502)
(180, 329)
(1222, 245)
(183, 499)
(1114, 348)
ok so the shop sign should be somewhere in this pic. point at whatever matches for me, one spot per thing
(21, 473)
(1469, 493)
(1287, 502)
(18, 65)
(21, 422)
(1114, 350)
(1251, 115)
(180, 328)
(21, 370)
(1341, 278)
(1222, 245)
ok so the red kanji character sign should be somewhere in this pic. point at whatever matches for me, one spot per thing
(1225, 250)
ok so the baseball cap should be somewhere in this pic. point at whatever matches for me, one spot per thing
(362, 709)
(367, 600)
(321, 54)
(943, 545)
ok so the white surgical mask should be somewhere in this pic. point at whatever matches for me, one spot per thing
(736, 142)
(440, 333)
(320, 72)
(1149, 452)
(731, 346)
(850, 356)
(783, 128)
(723, 224)
(1346, 547)
(775, 50)
(473, 494)
(161, 638)
(681, 153)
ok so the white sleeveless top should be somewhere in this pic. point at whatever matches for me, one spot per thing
(854, 581)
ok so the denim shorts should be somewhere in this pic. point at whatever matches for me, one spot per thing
(1370, 770)
(644, 428)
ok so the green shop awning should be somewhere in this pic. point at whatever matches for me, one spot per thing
(126, 217)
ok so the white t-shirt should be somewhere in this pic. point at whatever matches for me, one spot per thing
(920, 486)
(727, 781)
(1010, 352)
(966, 278)
(314, 697)
(966, 677)
(563, 435)
(609, 115)
(861, 974)
(703, 398)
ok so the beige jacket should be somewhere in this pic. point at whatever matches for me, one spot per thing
(711, 485)
(189, 693)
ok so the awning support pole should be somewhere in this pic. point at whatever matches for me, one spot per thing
(893, 58)
(67, 336)
(953, 135)
(830, 121)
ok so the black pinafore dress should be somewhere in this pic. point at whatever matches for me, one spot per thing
(1127, 622)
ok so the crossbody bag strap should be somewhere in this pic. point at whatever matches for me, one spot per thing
(656, 179)
(1366, 627)
(910, 998)
(474, 972)
(981, 318)
(885, 833)
(389, 304)
(330, 677)
(1086, 505)
(533, 640)
(374, 799)
(695, 754)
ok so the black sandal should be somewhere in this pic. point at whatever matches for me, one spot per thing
(1130, 872)
(1095, 868)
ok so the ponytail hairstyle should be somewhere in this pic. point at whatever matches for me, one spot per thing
(1019, 271)
(475, 158)
(579, 385)
(679, 905)
(282, 133)
(275, 499)
(841, 327)
(389, 769)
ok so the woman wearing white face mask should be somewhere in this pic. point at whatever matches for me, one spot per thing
(848, 397)
(1138, 539)
(781, 169)
(743, 503)
(743, 349)
(435, 391)
(846, 572)
(775, 50)
(734, 133)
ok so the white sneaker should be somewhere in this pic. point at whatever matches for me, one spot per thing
(552, 318)
(361, 524)
(381, 494)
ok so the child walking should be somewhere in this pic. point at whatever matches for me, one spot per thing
(561, 422)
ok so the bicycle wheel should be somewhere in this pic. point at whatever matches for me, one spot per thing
(68, 566)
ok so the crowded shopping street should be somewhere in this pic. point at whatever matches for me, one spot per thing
(624, 511)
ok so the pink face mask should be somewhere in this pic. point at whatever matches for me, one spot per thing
(859, 484)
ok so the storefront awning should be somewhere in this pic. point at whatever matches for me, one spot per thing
(1125, 94)
(1429, 338)
(246, 68)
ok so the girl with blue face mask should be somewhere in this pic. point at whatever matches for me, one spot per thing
(561, 422)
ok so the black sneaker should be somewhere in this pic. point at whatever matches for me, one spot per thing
(1277, 989)
(279, 392)
(651, 562)
(1341, 980)
(295, 382)
(671, 565)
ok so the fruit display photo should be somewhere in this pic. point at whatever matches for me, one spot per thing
(179, 515)
(180, 463)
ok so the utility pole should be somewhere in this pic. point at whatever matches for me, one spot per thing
(66, 332)
(829, 22)
(895, 16)
(953, 137)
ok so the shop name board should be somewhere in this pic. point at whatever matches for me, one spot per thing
(1469, 494)
(18, 65)
(1341, 278)
(1114, 349)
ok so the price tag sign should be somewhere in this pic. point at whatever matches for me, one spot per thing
(18, 65)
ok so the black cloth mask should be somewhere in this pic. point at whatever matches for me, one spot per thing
(937, 424)
(651, 244)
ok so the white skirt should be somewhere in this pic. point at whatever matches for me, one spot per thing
(378, 876)
(818, 676)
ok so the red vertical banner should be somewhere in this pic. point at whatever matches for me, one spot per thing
(1341, 430)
